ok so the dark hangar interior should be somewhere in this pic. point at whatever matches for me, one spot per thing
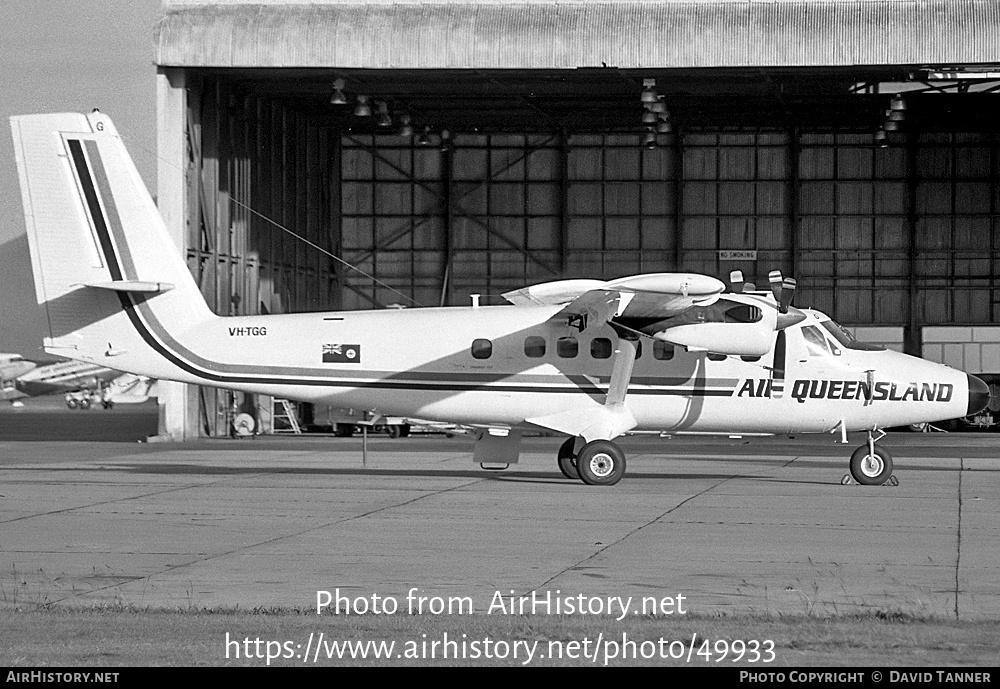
(426, 151)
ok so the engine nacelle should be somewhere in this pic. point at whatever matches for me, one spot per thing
(742, 339)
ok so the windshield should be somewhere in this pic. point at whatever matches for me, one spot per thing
(816, 344)
(846, 339)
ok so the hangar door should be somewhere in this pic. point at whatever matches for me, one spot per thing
(293, 208)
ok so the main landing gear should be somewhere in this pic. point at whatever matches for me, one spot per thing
(871, 464)
(598, 463)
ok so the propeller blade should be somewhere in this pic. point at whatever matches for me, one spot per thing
(787, 292)
(774, 277)
(736, 280)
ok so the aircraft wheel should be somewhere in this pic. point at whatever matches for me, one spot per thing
(71, 403)
(567, 460)
(601, 463)
(343, 430)
(871, 469)
(85, 403)
(394, 431)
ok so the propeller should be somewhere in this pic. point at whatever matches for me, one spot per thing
(787, 292)
(774, 277)
(738, 285)
(783, 290)
(736, 280)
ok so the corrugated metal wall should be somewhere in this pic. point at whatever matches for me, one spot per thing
(830, 208)
(541, 34)
(258, 168)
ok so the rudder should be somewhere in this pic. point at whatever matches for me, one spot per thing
(98, 245)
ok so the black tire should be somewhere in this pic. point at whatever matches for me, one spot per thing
(71, 403)
(567, 460)
(871, 470)
(404, 430)
(394, 431)
(600, 463)
(85, 403)
(343, 430)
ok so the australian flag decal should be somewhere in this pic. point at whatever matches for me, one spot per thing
(341, 354)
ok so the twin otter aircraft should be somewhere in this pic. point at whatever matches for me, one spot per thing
(586, 358)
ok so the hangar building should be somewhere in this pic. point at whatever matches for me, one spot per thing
(335, 154)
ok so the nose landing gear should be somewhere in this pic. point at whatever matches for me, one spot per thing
(871, 465)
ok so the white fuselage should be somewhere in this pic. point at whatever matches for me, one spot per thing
(420, 363)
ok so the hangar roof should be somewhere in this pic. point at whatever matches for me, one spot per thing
(566, 34)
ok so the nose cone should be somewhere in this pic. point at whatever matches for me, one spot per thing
(791, 317)
(979, 395)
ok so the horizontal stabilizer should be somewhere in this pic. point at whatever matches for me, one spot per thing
(133, 286)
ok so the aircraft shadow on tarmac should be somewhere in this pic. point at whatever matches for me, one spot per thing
(506, 476)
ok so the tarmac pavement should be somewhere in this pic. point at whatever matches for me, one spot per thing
(734, 526)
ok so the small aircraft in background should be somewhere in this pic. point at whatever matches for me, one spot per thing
(84, 384)
(11, 367)
(589, 359)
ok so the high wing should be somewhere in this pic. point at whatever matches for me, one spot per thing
(681, 308)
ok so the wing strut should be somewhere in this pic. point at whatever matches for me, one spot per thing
(606, 421)
(621, 373)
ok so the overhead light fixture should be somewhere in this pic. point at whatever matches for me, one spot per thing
(897, 115)
(649, 141)
(658, 107)
(338, 97)
(664, 127)
(881, 138)
(362, 109)
(891, 126)
(406, 129)
(649, 117)
(383, 114)
(648, 91)
(897, 103)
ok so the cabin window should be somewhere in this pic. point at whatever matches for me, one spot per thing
(663, 351)
(482, 349)
(567, 347)
(600, 348)
(712, 356)
(534, 346)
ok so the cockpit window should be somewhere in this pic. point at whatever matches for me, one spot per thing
(816, 344)
(846, 339)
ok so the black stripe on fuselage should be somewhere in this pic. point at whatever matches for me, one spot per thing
(130, 305)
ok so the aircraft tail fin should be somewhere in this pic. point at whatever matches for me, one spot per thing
(103, 261)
